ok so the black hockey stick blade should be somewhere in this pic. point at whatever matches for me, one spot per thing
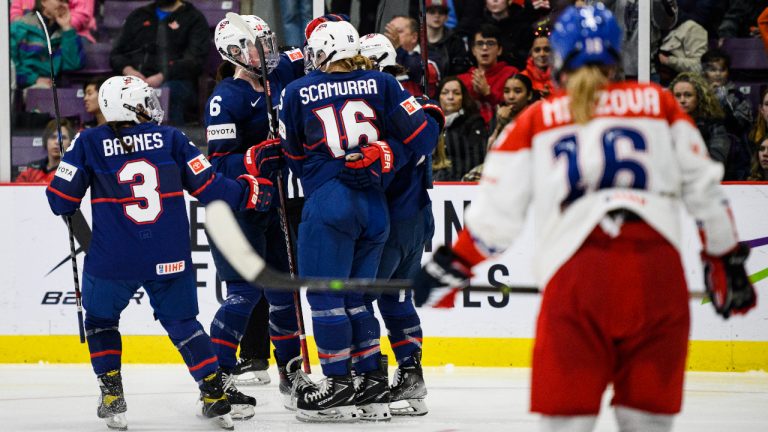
(223, 230)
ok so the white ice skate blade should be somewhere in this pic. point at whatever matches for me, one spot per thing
(342, 414)
(409, 407)
(253, 378)
(242, 411)
(289, 401)
(223, 421)
(375, 412)
(117, 422)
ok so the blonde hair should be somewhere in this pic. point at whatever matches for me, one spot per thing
(707, 105)
(440, 160)
(350, 64)
(582, 87)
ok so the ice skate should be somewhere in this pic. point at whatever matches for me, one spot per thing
(215, 404)
(112, 405)
(408, 390)
(291, 379)
(242, 404)
(332, 400)
(251, 372)
(372, 394)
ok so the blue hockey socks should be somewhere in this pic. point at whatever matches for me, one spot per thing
(283, 326)
(366, 332)
(230, 321)
(404, 327)
(104, 343)
(194, 345)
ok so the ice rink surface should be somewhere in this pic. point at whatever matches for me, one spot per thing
(162, 398)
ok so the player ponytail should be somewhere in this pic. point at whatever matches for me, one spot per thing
(582, 87)
(116, 126)
(350, 64)
(225, 70)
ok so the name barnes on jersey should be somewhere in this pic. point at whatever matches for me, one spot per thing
(315, 92)
(139, 142)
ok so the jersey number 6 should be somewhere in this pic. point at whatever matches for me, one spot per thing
(356, 123)
(568, 148)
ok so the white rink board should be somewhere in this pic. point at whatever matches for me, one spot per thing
(34, 241)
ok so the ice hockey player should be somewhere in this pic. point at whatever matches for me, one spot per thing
(607, 167)
(137, 172)
(237, 128)
(411, 226)
(336, 110)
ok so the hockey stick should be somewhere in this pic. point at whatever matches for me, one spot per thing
(238, 22)
(67, 219)
(423, 45)
(221, 225)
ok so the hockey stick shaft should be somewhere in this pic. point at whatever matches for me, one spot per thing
(221, 226)
(282, 209)
(67, 219)
(423, 45)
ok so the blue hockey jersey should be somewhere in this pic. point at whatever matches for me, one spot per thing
(324, 115)
(236, 115)
(140, 225)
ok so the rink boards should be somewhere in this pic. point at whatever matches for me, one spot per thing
(38, 321)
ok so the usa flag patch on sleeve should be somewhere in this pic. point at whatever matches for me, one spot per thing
(295, 54)
(410, 105)
(199, 164)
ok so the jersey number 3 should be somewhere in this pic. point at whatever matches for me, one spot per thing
(145, 205)
(567, 147)
(356, 123)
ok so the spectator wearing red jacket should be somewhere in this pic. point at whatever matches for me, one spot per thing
(42, 171)
(485, 82)
(538, 68)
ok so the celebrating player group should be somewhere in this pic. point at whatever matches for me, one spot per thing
(606, 166)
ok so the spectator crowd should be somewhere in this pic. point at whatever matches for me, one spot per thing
(487, 61)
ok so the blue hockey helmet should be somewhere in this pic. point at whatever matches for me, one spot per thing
(586, 35)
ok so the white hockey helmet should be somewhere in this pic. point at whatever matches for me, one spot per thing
(331, 41)
(233, 43)
(128, 98)
(379, 49)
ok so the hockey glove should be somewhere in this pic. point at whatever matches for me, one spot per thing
(264, 159)
(259, 192)
(445, 269)
(727, 282)
(432, 109)
(365, 167)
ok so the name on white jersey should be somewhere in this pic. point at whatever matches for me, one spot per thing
(66, 171)
(316, 92)
(170, 268)
(617, 102)
(140, 142)
(221, 131)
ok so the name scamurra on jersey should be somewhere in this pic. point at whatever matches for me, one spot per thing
(139, 142)
(315, 92)
(619, 102)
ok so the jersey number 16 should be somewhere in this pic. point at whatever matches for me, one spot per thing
(567, 147)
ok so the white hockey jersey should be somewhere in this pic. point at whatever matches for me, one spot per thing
(640, 152)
